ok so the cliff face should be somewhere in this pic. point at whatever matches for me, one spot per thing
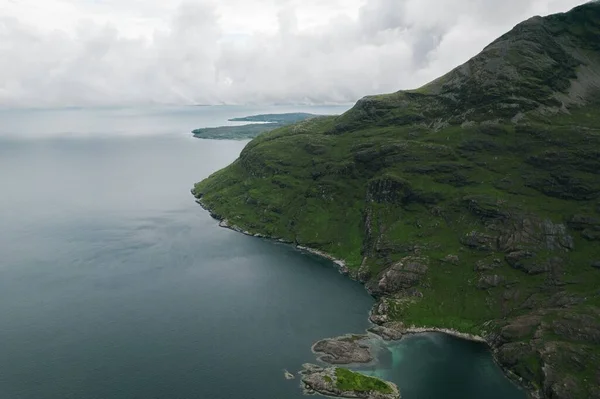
(471, 203)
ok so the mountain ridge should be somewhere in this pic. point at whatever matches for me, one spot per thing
(472, 203)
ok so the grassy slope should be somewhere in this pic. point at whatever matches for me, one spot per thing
(350, 381)
(383, 182)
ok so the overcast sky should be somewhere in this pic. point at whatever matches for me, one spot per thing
(113, 52)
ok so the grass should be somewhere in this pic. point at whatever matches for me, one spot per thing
(350, 381)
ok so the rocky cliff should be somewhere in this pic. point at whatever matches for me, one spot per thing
(472, 203)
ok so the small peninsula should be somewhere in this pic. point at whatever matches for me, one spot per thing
(261, 124)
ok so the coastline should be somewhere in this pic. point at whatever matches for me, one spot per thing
(531, 391)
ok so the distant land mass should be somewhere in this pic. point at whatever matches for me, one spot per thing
(471, 203)
(263, 123)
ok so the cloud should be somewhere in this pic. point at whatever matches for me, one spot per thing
(234, 51)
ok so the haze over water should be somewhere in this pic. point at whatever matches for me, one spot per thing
(114, 284)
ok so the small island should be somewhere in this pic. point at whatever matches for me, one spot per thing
(261, 124)
(343, 383)
(347, 349)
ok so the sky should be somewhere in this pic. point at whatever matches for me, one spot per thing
(57, 53)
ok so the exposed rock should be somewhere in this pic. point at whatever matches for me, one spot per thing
(379, 312)
(485, 266)
(522, 260)
(582, 222)
(401, 276)
(388, 334)
(530, 232)
(591, 234)
(388, 189)
(520, 328)
(288, 375)
(325, 382)
(596, 264)
(479, 241)
(343, 350)
(486, 207)
(577, 327)
(564, 300)
(452, 259)
(490, 281)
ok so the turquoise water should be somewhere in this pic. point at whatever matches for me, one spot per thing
(115, 284)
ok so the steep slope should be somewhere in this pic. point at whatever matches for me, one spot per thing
(472, 203)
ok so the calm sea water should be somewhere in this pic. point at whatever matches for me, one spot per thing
(114, 284)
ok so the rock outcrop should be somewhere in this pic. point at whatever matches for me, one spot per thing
(347, 349)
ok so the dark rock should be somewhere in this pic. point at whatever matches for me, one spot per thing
(485, 207)
(565, 300)
(582, 222)
(343, 350)
(452, 259)
(388, 189)
(484, 266)
(591, 234)
(596, 264)
(479, 241)
(520, 260)
(487, 282)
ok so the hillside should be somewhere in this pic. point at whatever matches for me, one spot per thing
(471, 203)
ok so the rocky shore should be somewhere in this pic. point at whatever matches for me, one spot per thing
(347, 349)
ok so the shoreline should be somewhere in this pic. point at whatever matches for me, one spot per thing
(531, 392)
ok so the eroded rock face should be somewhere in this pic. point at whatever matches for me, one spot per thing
(525, 233)
(343, 350)
(403, 275)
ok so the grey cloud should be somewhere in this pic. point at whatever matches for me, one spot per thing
(392, 45)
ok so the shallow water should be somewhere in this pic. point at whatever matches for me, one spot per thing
(115, 284)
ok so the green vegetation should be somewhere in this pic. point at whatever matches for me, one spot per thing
(288, 118)
(350, 381)
(244, 132)
(472, 203)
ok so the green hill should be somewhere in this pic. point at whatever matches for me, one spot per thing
(472, 203)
